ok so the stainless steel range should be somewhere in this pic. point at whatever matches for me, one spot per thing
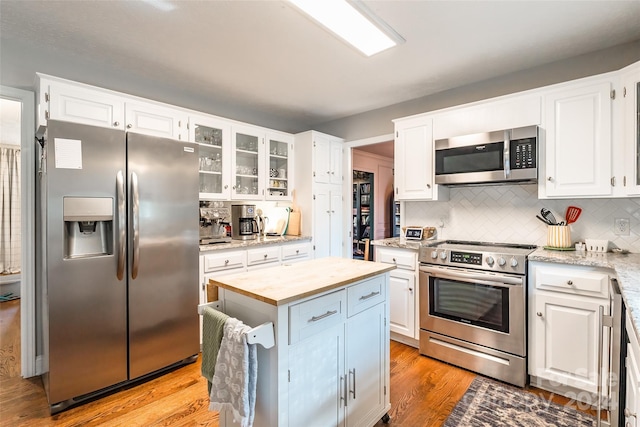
(473, 307)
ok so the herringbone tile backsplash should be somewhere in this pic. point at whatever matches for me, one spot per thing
(507, 213)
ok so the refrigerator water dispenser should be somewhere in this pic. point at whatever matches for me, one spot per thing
(88, 225)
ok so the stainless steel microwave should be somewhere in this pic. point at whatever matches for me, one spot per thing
(504, 156)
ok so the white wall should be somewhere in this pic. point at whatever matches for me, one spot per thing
(507, 213)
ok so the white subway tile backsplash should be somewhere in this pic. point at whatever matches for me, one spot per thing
(507, 213)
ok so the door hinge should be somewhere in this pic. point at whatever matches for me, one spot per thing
(624, 181)
(46, 114)
(314, 197)
(396, 134)
(396, 190)
(385, 390)
(314, 247)
(624, 92)
(288, 375)
(46, 97)
(607, 321)
(613, 181)
(179, 123)
(314, 174)
(613, 94)
(188, 125)
(314, 143)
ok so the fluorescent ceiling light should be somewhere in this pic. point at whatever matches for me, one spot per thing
(349, 23)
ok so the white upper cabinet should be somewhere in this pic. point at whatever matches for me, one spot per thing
(156, 120)
(327, 159)
(577, 128)
(247, 163)
(213, 137)
(279, 166)
(631, 129)
(77, 103)
(512, 112)
(413, 161)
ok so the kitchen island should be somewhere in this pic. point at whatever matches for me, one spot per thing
(330, 362)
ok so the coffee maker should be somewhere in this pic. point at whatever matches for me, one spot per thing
(213, 222)
(244, 225)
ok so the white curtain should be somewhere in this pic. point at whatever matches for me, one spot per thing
(10, 210)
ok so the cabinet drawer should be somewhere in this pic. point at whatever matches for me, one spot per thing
(294, 251)
(402, 259)
(316, 315)
(574, 280)
(364, 295)
(225, 261)
(263, 255)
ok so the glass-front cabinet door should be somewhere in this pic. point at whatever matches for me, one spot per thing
(247, 163)
(280, 166)
(213, 139)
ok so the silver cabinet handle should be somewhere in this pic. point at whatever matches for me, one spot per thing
(265, 256)
(371, 295)
(322, 316)
(129, 126)
(226, 262)
(353, 392)
(570, 282)
(428, 185)
(550, 179)
(116, 124)
(122, 227)
(539, 314)
(410, 289)
(135, 224)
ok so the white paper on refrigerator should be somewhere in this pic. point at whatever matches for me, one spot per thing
(68, 153)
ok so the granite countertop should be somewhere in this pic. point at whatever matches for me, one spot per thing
(261, 241)
(288, 283)
(399, 242)
(626, 266)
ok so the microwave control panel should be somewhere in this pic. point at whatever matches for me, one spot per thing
(523, 154)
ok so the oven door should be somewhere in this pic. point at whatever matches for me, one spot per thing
(482, 308)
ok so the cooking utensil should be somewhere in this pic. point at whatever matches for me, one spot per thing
(546, 214)
(572, 214)
(543, 220)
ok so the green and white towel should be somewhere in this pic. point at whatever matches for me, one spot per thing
(212, 331)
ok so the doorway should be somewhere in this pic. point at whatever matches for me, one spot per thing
(371, 162)
(17, 111)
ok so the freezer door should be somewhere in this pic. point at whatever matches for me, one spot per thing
(84, 302)
(163, 252)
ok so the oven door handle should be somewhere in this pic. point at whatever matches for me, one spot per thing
(501, 281)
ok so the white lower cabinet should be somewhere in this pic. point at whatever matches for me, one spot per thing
(338, 369)
(403, 292)
(564, 327)
(632, 400)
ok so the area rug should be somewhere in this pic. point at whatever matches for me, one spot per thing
(489, 403)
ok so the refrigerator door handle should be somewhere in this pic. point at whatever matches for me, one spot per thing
(135, 222)
(122, 229)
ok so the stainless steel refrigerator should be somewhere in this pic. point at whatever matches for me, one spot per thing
(118, 258)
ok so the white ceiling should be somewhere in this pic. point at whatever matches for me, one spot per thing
(266, 63)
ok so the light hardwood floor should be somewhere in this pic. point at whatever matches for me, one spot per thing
(423, 392)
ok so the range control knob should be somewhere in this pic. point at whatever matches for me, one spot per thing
(514, 262)
(443, 255)
(434, 254)
(490, 260)
(501, 261)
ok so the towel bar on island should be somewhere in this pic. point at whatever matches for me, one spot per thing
(261, 334)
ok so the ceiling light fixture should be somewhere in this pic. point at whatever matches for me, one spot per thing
(353, 22)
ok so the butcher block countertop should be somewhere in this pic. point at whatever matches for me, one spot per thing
(287, 283)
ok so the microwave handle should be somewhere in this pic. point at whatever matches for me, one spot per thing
(506, 159)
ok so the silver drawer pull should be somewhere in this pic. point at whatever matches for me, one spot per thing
(570, 282)
(327, 314)
(371, 295)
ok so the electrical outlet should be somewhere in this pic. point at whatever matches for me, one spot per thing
(621, 226)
